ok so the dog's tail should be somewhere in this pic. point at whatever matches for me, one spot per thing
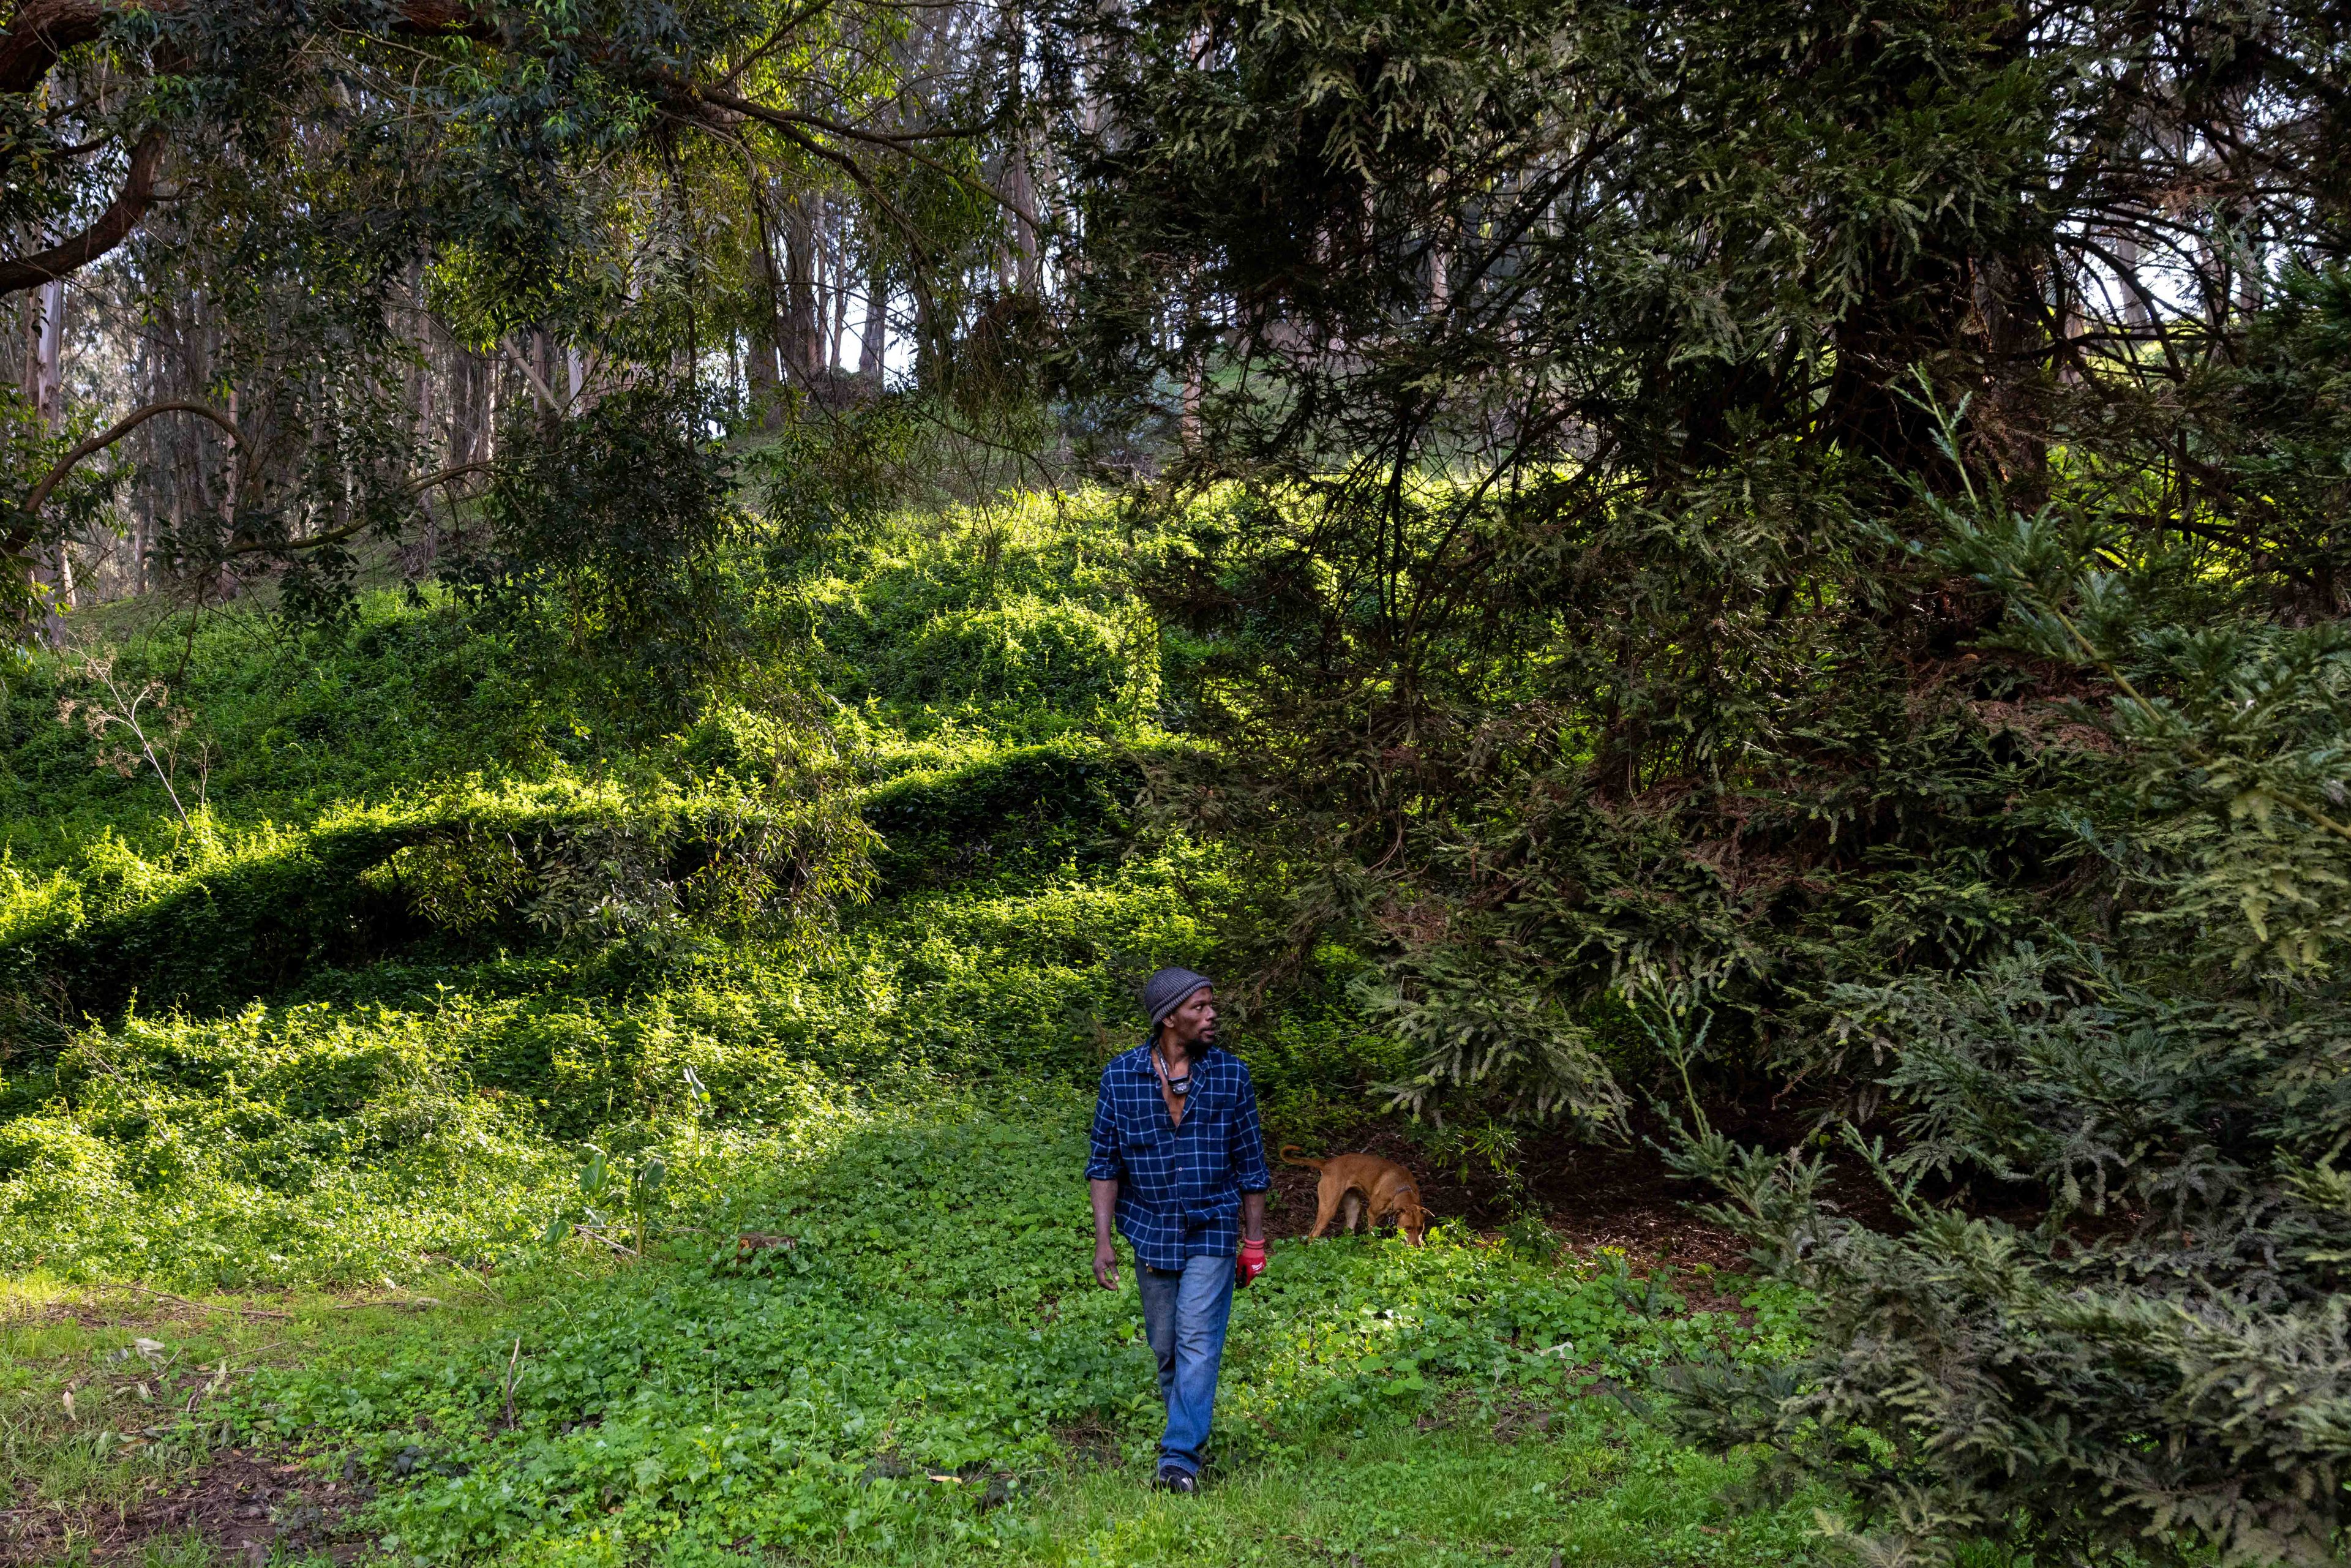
(1310, 1164)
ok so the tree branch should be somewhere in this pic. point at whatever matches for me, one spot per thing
(22, 535)
(445, 475)
(349, 530)
(797, 126)
(13, 544)
(907, 231)
(110, 229)
(43, 30)
(545, 393)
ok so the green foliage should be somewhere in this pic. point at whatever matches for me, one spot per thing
(2155, 1356)
(2274, 431)
(298, 725)
(29, 449)
(1024, 809)
(1587, 799)
(515, 807)
(829, 479)
(616, 524)
(1014, 619)
(1485, 1029)
(229, 918)
(465, 972)
(1026, 653)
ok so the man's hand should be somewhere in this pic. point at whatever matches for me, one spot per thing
(1104, 1195)
(1251, 1261)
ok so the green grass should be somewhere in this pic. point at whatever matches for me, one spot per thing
(146, 1418)
(1593, 1488)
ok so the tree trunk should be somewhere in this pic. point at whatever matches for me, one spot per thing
(142, 539)
(763, 370)
(469, 411)
(799, 339)
(43, 386)
(838, 330)
(44, 365)
(821, 270)
(872, 338)
(1020, 190)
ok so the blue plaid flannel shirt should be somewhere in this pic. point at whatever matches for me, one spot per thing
(1179, 1188)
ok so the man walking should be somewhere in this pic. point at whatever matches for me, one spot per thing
(1179, 1160)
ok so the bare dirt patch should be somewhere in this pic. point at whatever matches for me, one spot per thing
(1088, 1445)
(1627, 1199)
(243, 1505)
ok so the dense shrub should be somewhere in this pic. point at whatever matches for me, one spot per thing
(615, 525)
(1027, 654)
(224, 921)
(1012, 618)
(1016, 813)
(2127, 1322)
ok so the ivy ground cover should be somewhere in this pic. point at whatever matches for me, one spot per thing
(915, 1367)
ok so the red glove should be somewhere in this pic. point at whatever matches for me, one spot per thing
(1251, 1262)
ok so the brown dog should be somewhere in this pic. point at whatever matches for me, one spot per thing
(1357, 1183)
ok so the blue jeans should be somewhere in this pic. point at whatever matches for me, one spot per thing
(1184, 1316)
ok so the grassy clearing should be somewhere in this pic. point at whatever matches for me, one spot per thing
(929, 1318)
(1591, 1488)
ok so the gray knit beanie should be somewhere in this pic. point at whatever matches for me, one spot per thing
(1166, 991)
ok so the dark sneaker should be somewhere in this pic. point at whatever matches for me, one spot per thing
(1173, 1480)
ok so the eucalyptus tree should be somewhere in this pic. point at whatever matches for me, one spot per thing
(299, 211)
